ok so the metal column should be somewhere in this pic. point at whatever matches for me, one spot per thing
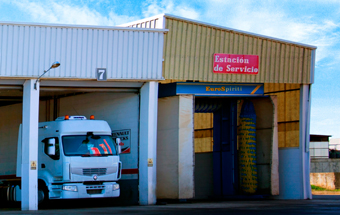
(29, 174)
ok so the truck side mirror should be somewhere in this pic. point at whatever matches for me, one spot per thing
(119, 146)
(51, 146)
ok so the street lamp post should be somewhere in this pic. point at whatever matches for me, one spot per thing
(54, 65)
(29, 142)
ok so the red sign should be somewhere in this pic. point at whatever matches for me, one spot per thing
(236, 64)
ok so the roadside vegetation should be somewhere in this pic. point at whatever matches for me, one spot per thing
(317, 188)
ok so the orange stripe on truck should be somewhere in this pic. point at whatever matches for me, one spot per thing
(108, 146)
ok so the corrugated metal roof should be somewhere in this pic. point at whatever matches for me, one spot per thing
(26, 50)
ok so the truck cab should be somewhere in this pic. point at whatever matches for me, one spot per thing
(77, 158)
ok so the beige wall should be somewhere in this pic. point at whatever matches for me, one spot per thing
(267, 145)
(288, 113)
(175, 149)
(11, 118)
(328, 180)
(203, 125)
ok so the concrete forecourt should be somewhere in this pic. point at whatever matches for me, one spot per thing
(319, 205)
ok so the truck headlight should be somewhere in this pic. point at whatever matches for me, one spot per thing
(70, 188)
(115, 187)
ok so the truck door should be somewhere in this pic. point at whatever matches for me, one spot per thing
(51, 164)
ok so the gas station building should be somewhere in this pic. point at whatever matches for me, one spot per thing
(180, 89)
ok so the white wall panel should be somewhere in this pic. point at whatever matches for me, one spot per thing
(28, 50)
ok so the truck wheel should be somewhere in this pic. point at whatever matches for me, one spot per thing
(42, 195)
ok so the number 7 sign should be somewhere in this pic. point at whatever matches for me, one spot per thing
(101, 74)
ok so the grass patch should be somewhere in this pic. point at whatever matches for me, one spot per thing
(317, 188)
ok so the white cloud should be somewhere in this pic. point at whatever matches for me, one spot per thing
(168, 6)
(272, 20)
(60, 12)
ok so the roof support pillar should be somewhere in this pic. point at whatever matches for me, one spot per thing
(294, 165)
(148, 143)
(29, 170)
(305, 107)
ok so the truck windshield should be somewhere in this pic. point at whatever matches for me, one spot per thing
(88, 145)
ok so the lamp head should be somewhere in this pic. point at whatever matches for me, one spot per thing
(55, 65)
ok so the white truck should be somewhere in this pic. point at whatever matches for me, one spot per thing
(77, 158)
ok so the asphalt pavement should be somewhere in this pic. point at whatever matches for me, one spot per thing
(319, 205)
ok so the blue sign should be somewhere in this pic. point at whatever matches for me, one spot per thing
(211, 89)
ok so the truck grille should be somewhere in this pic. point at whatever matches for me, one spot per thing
(90, 192)
(92, 171)
(95, 189)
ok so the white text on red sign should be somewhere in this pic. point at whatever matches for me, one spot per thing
(236, 64)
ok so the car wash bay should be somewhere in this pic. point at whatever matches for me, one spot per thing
(217, 121)
(218, 157)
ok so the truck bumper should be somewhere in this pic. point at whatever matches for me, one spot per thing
(90, 191)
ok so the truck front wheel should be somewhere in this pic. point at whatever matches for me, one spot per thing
(42, 194)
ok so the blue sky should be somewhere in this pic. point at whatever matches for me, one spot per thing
(314, 22)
